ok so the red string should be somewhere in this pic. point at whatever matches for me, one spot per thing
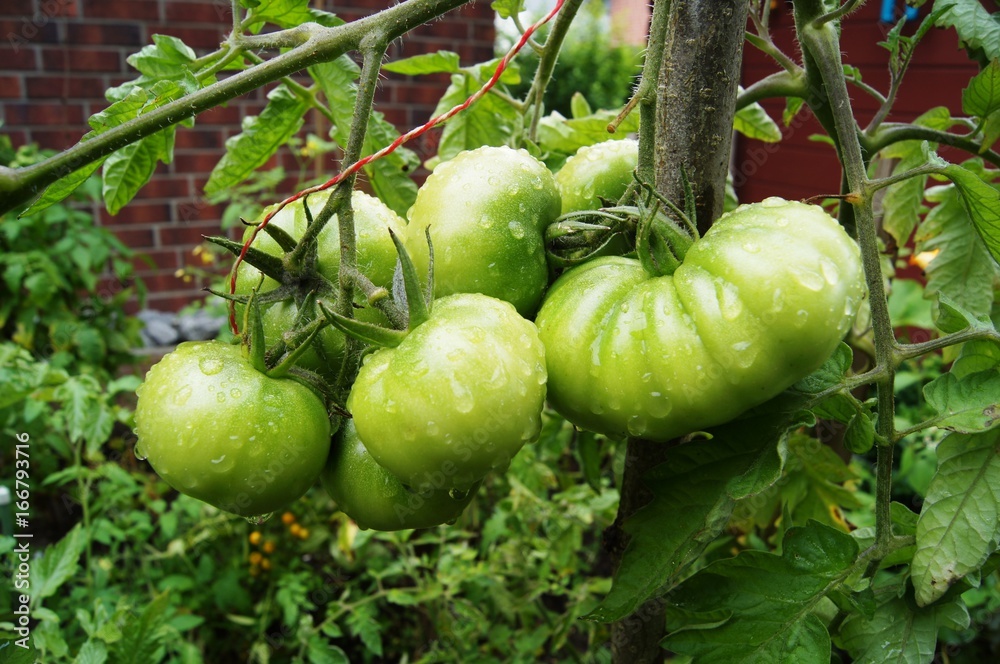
(408, 136)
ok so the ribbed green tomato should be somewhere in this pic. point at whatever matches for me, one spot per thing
(487, 210)
(376, 255)
(758, 303)
(216, 429)
(603, 170)
(375, 498)
(457, 398)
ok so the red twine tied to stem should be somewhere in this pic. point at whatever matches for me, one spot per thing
(361, 163)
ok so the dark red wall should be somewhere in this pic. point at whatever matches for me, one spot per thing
(58, 56)
(799, 168)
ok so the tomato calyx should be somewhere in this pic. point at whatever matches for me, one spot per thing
(663, 240)
(410, 301)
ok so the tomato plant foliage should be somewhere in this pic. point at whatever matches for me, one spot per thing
(752, 383)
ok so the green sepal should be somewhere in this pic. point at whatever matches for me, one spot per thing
(366, 332)
(417, 301)
(292, 356)
(266, 263)
(254, 342)
(279, 235)
(321, 389)
(655, 262)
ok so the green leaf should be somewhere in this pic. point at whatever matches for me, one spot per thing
(87, 416)
(128, 169)
(166, 58)
(950, 317)
(830, 373)
(559, 134)
(283, 13)
(363, 623)
(967, 405)
(976, 356)
(261, 137)
(758, 606)
(977, 29)
(322, 651)
(982, 202)
(490, 121)
(982, 97)
(959, 524)
(92, 652)
(693, 497)
(963, 270)
(753, 122)
(579, 106)
(57, 565)
(11, 653)
(792, 107)
(902, 202)
(141, 635)
(860, 434)
(899, 632)
(507, 8)
(426, 63)
(907, 305)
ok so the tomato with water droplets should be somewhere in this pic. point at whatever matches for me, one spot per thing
(758, 303)
(375, 498)
(457, 398)
(216, 429)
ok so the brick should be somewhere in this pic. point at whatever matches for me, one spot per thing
(198, 139)
(18, 7)
(211, 12)
(195, 162)
(16, 137)
(57, 139)
(27, 29)
(220, 115)
(137, 238)
(165, 186)
(109, 34)
(18, 57)
(43, 113)
(10, 87)
(138, 212)
(415, 93)
(59, 8)
(167, 281)
(197, 210)
(63, 59)
(172, 301)
(66, 87)
(135, 10)
(186, 235)
(161, 259)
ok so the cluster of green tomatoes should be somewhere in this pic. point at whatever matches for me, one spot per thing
(617, 345)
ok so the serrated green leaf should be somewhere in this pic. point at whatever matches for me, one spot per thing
(757, 607)
(991, 131)
(976, 356)
(901, 206)
(860, 434)
(426, 63)
(982, 202)
(556, 133)
(792, 107)
(830, 373)
(141, 635)
(128, 169)
(977, 29)
(283, 13)
(907, 305)
(949, 316)
(166, 58)
(322, 651)
(969, 404)
(693, 497)
(59, 563)
(964, 269)
(11, 653)
(899, 632)
(982, 96)
(959, 524)
(362, 623)
(261, 137)
(904, 522)
(92, 652)
(490, 121)
(63, 187)
(87, 416)
(753, 122)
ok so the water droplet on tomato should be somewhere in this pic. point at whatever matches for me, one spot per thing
(433, 429)
(140, 449)
(810, 280)
(182, 395)
(659, 404)
(801, 317)
(463, 397)
(637, 425)
(516, 229)
(457, 494)
(730, 303)
(751, 247)
(773, 202)
(210, 366)
(235, 393)
(220, 397)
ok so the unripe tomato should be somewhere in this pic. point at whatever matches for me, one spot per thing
(375, 498)
(758, 303)
(487, 210)
(220, 431)
(603, 170)
(376, 255)
(457, 398)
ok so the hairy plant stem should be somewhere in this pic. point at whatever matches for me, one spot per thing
(547, 62)
(695, 45)
(821, 47)
(309, 43)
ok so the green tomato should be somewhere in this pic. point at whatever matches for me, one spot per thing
(220, 431)
(376, 255)
(758, 303)
(603, 170)
(375, 498)
(457, 398)
(487, 210)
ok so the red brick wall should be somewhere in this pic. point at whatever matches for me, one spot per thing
(58, 56)
(799, 168)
